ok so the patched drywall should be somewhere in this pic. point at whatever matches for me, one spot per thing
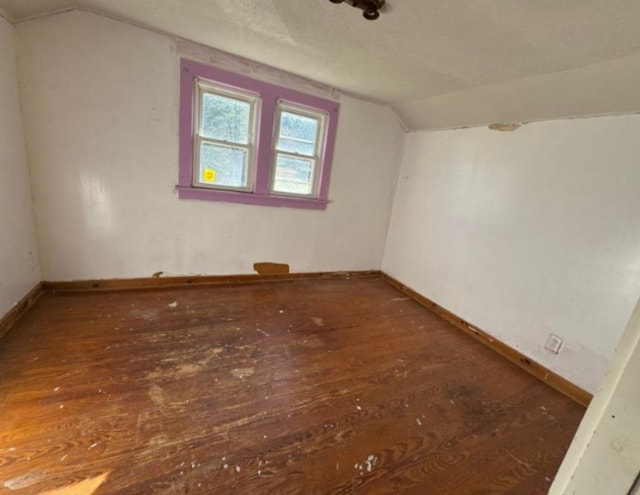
(101, 115)
(269, 268)
(526, 233)
(19, 270)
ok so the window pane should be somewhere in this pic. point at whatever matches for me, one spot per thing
(226, 119)
(298, 133)
(223, 165)
(293, 175)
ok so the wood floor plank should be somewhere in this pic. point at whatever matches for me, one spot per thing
(298, 387)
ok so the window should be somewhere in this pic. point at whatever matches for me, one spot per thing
(246, 141)
(297, 150)
(223, 145)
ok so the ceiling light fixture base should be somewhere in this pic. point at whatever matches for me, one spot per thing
(370, 8)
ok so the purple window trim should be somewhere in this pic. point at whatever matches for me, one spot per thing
(250, 198)
(270, 94)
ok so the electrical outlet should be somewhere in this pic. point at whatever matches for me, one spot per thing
(554, 343)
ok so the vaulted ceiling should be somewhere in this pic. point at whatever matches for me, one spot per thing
(439, 63)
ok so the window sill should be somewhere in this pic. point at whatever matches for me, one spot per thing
(185, 192)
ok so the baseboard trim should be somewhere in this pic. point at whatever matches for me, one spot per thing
(10, 319)
(547, 376)
(198, 280)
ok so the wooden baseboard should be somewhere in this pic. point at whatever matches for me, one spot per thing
(199, 280)
(9, 320)
(549, 377)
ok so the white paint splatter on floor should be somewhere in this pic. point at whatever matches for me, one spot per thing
(242, 372)
(24, 481)
(366, 465)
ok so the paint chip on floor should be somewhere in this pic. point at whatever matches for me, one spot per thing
(371, 462)
(24, 481)
(367, 465)
(242, 372)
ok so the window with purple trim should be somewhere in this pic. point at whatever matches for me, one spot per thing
(247, 141)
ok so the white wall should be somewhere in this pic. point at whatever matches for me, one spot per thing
(19, 270)
(101, 113)
(526, 233)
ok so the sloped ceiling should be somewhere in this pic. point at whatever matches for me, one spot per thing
(439, 63)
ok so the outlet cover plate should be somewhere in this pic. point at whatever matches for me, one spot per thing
(554, 343)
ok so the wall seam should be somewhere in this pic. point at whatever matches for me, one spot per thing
(27, 154)
(394, 195)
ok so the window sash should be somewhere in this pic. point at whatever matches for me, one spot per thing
(205, 87)
(197, 164)
(314, 179)
(321, 118)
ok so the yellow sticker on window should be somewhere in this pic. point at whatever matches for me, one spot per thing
(209, 175)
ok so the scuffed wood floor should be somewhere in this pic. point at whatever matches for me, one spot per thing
(306, 387)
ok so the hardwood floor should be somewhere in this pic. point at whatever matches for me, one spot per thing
(302, 387)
